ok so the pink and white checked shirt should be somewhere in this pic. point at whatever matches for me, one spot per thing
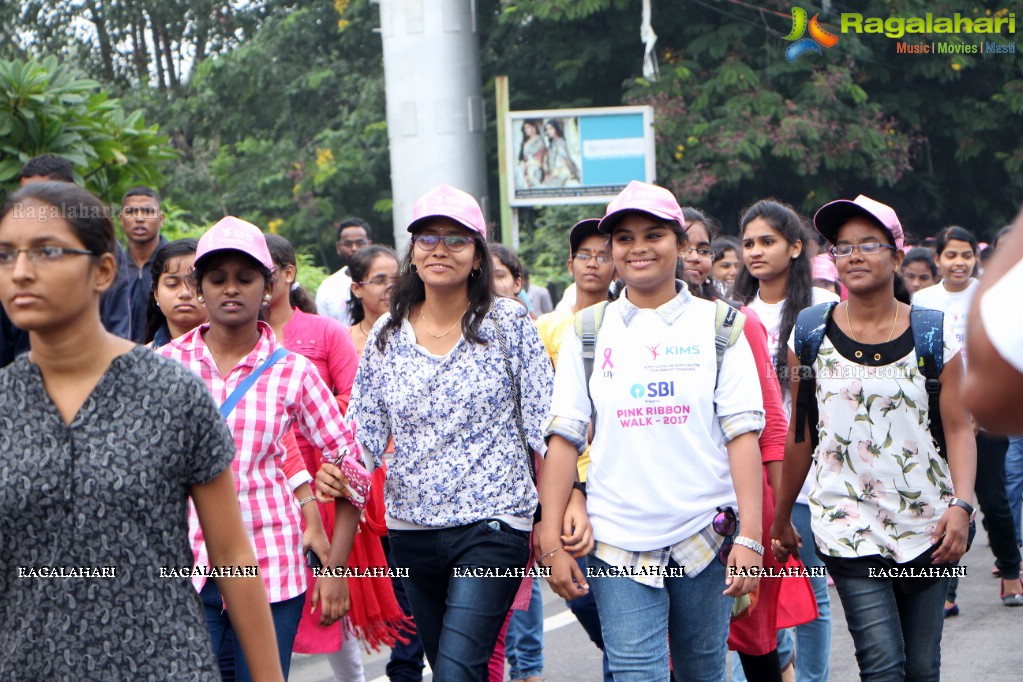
(290, 392)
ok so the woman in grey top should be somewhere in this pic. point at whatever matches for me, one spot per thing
(101, 445)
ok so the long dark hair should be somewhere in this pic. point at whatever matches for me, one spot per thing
(358, 268)
(798, 287)
(283, 255)
(410, 290)
(179, 247)
(537, 126)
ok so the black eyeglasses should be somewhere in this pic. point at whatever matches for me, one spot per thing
(704, 254)
(40, 255)
(583, 257)
(380, 281)
(429, 242)
(725, 524)
(866, 249)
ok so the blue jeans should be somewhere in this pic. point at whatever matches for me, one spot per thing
(584, 609)
(897, 636)
(230, 656)
(524, 641)
(634, 618)
(1014, 481)
(459, 617)
(407, 660)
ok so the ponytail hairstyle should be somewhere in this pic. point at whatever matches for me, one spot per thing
(179, 247)
(784, 220)
(283, 255)
(410, 290)
(358, 268)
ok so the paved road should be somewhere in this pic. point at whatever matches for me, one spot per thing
(983, 644)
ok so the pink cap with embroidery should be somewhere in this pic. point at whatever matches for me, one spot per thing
(641, 197)
(830, 217)
(824, 268)
(234, 234)
(446, 201)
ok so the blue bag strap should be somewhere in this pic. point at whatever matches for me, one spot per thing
(811, 323)
(236, 395)
(929, 343)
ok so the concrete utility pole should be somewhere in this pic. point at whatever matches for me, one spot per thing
(435, 116)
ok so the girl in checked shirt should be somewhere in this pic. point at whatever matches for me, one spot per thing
(233, 276)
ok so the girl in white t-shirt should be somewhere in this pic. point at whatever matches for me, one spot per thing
(957, 261)
(777, 284)
(674, 452)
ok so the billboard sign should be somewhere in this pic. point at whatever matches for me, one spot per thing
(577, 156)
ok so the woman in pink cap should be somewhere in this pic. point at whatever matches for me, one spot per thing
(883, 505)
(461, 381)
(674, 453)
(263, 391)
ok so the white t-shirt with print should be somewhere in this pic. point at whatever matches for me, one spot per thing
(955, 305)
(659, 467)
(999, 311)
(879, 485)
(770, 315)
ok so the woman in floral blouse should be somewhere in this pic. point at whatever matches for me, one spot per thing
(439, 373)
(883, 506)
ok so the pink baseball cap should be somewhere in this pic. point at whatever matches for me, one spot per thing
(830, 217)
(824, 268)
(445, 201)
(641, 197)
(234, 234)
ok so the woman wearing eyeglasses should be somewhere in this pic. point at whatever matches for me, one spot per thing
(674, 453)
(885, 517)
(102, 445)
(439, 373)
(374, 271)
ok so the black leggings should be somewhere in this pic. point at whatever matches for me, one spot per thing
(994, 503)
(766, 668)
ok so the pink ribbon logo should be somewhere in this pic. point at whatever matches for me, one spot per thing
(607, 360)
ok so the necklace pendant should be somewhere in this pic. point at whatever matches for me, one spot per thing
(858, 354)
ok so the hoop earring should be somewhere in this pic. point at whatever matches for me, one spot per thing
(476, 273)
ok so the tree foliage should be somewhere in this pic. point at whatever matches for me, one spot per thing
(46, 108)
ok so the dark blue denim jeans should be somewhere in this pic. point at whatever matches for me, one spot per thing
(585, 610)
(460, 616)
(897, 636)
(230, 656)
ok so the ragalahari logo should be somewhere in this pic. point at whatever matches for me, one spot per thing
(818, 36)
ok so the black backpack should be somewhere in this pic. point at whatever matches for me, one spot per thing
(928, 340)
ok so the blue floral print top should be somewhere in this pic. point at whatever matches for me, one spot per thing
(458, 457)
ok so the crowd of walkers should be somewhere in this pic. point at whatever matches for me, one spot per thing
(201, 475)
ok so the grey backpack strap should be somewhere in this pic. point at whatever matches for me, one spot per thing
(587, 324)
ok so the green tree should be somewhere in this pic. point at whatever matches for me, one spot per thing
(46, 108)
